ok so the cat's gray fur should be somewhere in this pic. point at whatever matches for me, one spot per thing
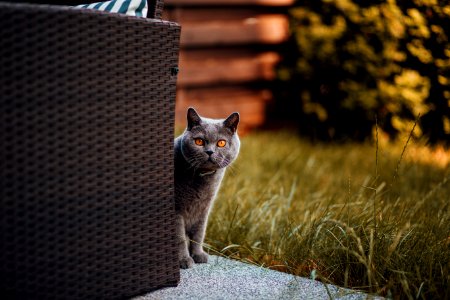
(198, 173)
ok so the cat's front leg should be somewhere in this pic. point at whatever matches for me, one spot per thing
(186, 261)
(197, 236)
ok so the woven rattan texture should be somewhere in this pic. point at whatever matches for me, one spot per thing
(86, 153)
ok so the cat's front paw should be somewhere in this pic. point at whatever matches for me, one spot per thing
(200, 258)
(186, 262)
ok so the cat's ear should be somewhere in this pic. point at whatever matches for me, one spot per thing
(193, 119)
(232, 122)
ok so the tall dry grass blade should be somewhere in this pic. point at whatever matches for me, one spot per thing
(437, 187)
(376, 149)
(347, 262)
(231, 223)
(420, 290)
(376, 178)
(373, 282)
(404, 150)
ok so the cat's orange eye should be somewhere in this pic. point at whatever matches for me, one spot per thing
(221, 143)
(199, 142)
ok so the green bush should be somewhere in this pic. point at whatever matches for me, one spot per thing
(356, 63)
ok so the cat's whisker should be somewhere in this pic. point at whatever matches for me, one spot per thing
(235, 168)
(225, 162)
(232, 170)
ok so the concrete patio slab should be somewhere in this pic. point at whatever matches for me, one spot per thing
(223, 278)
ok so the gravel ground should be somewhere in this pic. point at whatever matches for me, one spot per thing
(222, 278)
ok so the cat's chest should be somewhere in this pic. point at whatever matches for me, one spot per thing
(196, 190)
(194, 195)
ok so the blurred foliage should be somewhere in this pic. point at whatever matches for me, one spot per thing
(356, 63)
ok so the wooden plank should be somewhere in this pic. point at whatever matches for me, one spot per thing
(207, 67)
(220, 102)
(229, 2)
(197, 14)
(266, 29)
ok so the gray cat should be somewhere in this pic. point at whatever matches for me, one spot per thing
(202, 153)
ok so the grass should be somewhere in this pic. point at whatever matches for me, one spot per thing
(369, 217)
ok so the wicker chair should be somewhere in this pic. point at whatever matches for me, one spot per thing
(86, 153)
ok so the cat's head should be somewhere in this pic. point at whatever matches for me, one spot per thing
(210, 143)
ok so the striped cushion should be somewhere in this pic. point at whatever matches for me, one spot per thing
(137, 8)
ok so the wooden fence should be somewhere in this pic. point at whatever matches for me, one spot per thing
(228, 54)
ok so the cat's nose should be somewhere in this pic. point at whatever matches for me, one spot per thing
(209, 152)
